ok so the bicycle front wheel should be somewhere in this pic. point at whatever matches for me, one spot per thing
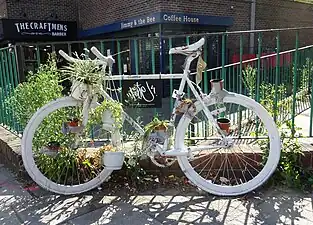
(243, 165)
(71, 170)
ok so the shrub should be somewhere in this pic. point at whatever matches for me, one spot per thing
(40, 88)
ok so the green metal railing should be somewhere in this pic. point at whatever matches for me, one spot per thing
(280, 63)
(9, 79)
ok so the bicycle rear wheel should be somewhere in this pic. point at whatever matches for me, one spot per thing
(71, 171)
(236, 169)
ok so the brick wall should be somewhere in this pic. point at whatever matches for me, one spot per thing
(3, 8)
(284, 14)
(94, 13)
(42, 9)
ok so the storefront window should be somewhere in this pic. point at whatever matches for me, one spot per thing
(44, 51)
(30, 53)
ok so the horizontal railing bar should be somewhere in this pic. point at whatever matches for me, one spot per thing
(237, 32)
(165, 36)
(255, 59)
(145, 77)
(179, 76)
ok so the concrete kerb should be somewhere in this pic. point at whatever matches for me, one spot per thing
(10, 149)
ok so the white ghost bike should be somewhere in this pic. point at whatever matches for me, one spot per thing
(216, 136)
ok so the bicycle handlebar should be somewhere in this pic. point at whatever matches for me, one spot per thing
(102, 60)
(108, 59)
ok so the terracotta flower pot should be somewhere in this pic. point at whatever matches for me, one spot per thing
(224, 124)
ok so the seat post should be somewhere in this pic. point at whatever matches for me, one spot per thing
(187, 63)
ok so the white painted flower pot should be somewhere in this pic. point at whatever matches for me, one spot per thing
(79, 90)
(159, 135)
(113, 160)
(107, 120)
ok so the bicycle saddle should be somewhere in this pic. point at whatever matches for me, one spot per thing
(189, 49)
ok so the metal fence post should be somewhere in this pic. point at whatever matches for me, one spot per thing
(223, 57)
(295, 74)
(240, 65)
(170, 44)
(257, 94)
(277, 73)
(136, 56)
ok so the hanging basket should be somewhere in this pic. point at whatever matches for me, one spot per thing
(107, 120)
(79, 90)
(113, 160)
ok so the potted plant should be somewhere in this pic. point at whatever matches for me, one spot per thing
(85, 75)
(224, 124)
(157, 129)
(72, 126)
(109, 113)
(184, 106)
(111, 157)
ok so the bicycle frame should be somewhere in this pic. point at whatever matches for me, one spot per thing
(179, 94)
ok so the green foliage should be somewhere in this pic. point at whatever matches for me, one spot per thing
(290, 172)
(70, 166)
(114, 106)
(86, 71)
(268, 93)
(40, 88)
(306, 73)
(134, 171)
(249, 79)
(155, 124)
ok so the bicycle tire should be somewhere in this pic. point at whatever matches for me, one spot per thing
(267, 171)
(28, 157)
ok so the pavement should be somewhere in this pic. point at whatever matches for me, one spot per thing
(154, 207)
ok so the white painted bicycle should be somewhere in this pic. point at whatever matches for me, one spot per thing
(216, 136)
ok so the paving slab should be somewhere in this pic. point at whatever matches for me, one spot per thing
(168, 206)
(116, 214)
(11, 194)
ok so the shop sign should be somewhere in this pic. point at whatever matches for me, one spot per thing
(37, 29)
(159, 18)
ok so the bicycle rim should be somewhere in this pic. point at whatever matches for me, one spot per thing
(212, 182)
(28, 156)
